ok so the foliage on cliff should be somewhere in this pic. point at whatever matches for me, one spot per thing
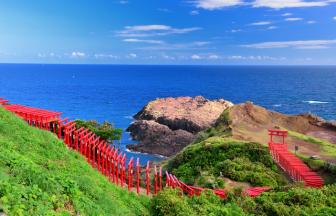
(291, 202)
(238, 160)
(105, 130)
(40, 176)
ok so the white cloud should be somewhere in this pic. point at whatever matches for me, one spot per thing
(133, 40)
(148, 27)
(77, 54)
(261, 23)
(216, 4)
(123, 2)
(274, 4)
(293, 19)
(132, 55)
(105, 56)
(334, 18)
(272, 27)
(213, 57)
(197, 45)
(196, 57)
(286, 14)
(311, 22)
(194, 12)
(304, 44)
(235, 30)
(279, 4)
(153, 30)
(255, 58)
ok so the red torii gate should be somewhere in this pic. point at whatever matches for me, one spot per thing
(293, 166)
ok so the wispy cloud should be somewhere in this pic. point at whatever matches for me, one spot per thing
(293, 19)
(132, 56)
(311, 22)
(274, 4)
(105, 56)
(153, 30)
(194, 12)
(235, 30)
(286, 14)
(272, 27)
(280, 4)
(77, 54)
(216, 4)
(304, 44)
(197, 45)
(334, 18)
(134, 40)
(196, 57)
(261, 23)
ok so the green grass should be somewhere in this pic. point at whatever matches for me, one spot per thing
(328, 148)
(40, 176)
(203, 163)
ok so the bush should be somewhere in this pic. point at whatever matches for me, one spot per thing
(171, 202)
(295, 201)
(105, 130)
(238, 160)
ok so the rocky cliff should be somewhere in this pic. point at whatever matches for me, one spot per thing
(165, 126)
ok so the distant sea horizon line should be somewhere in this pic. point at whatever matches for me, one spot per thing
(215, 65)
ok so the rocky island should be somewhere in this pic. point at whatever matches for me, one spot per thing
(165, 126)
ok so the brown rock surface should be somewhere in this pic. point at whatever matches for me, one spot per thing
(165, 126)
(251, 122)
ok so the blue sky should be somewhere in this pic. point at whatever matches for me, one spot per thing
(168, 31)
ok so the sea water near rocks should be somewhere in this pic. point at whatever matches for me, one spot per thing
(116, 92)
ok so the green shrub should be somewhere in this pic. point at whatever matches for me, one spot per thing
(238, 160)
(173, 203)
(105, 130)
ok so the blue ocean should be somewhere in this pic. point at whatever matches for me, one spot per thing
(117, 92)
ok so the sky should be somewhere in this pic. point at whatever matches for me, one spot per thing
(216, 32)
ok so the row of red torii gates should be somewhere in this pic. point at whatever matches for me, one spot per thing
(111, 162)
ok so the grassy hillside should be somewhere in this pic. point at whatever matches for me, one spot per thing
(40, 176)
(205, 162)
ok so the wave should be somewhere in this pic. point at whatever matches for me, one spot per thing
(128, 117)
(143, 153)
(277, 105)
(315, 102)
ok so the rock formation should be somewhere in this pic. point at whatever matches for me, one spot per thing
(165, 126)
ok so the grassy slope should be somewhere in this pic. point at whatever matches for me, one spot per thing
(40, 176)
(328, 147)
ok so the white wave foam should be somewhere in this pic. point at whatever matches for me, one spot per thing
(143, 153)
(277, 105)
(315, 102)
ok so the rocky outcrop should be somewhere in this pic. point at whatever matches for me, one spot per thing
(165, 126)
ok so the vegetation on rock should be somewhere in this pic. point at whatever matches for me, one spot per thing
(105, 130)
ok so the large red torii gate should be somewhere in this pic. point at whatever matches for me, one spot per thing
(292, 165)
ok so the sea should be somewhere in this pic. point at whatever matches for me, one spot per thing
(117, 92)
